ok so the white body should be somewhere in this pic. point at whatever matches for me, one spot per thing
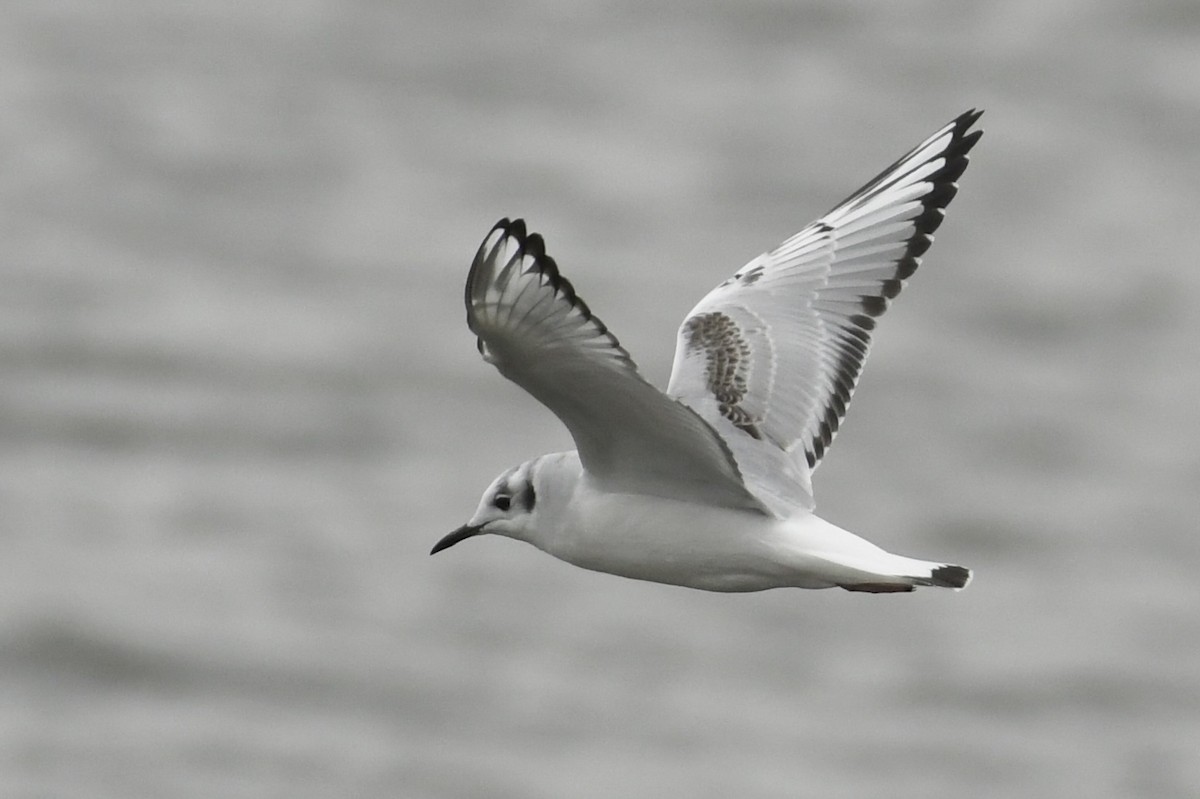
(671, 541)
(717, 549)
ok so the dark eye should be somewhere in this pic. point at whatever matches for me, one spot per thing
(502, 501)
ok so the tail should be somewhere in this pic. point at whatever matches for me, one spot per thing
(848, 561)
(950, 576)
(916, 572)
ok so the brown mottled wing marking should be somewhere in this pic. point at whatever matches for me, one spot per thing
(796, 322)
(728, 357)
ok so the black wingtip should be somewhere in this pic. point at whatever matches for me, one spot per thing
(533, 246)
(514, 227)
(970, 116)
(966, 137)
(964, 121)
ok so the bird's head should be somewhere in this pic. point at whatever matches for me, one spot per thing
(511, 506)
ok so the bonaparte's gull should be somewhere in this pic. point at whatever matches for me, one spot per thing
(708, 485)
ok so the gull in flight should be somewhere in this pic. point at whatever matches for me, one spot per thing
(709, 484)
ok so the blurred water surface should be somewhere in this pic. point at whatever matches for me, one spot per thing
(239, 401)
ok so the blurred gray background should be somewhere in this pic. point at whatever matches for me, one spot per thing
(239, 402)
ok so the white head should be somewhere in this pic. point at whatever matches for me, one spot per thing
(521, 502)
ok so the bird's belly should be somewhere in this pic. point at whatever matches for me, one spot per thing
(666, 541)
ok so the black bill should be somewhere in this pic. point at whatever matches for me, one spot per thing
(462, 533)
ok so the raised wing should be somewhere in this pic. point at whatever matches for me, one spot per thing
(771, 356)
(631, 437)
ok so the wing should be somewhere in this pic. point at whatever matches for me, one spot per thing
(771, 356)
(631, 437)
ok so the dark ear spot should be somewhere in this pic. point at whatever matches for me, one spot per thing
(528, 496)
